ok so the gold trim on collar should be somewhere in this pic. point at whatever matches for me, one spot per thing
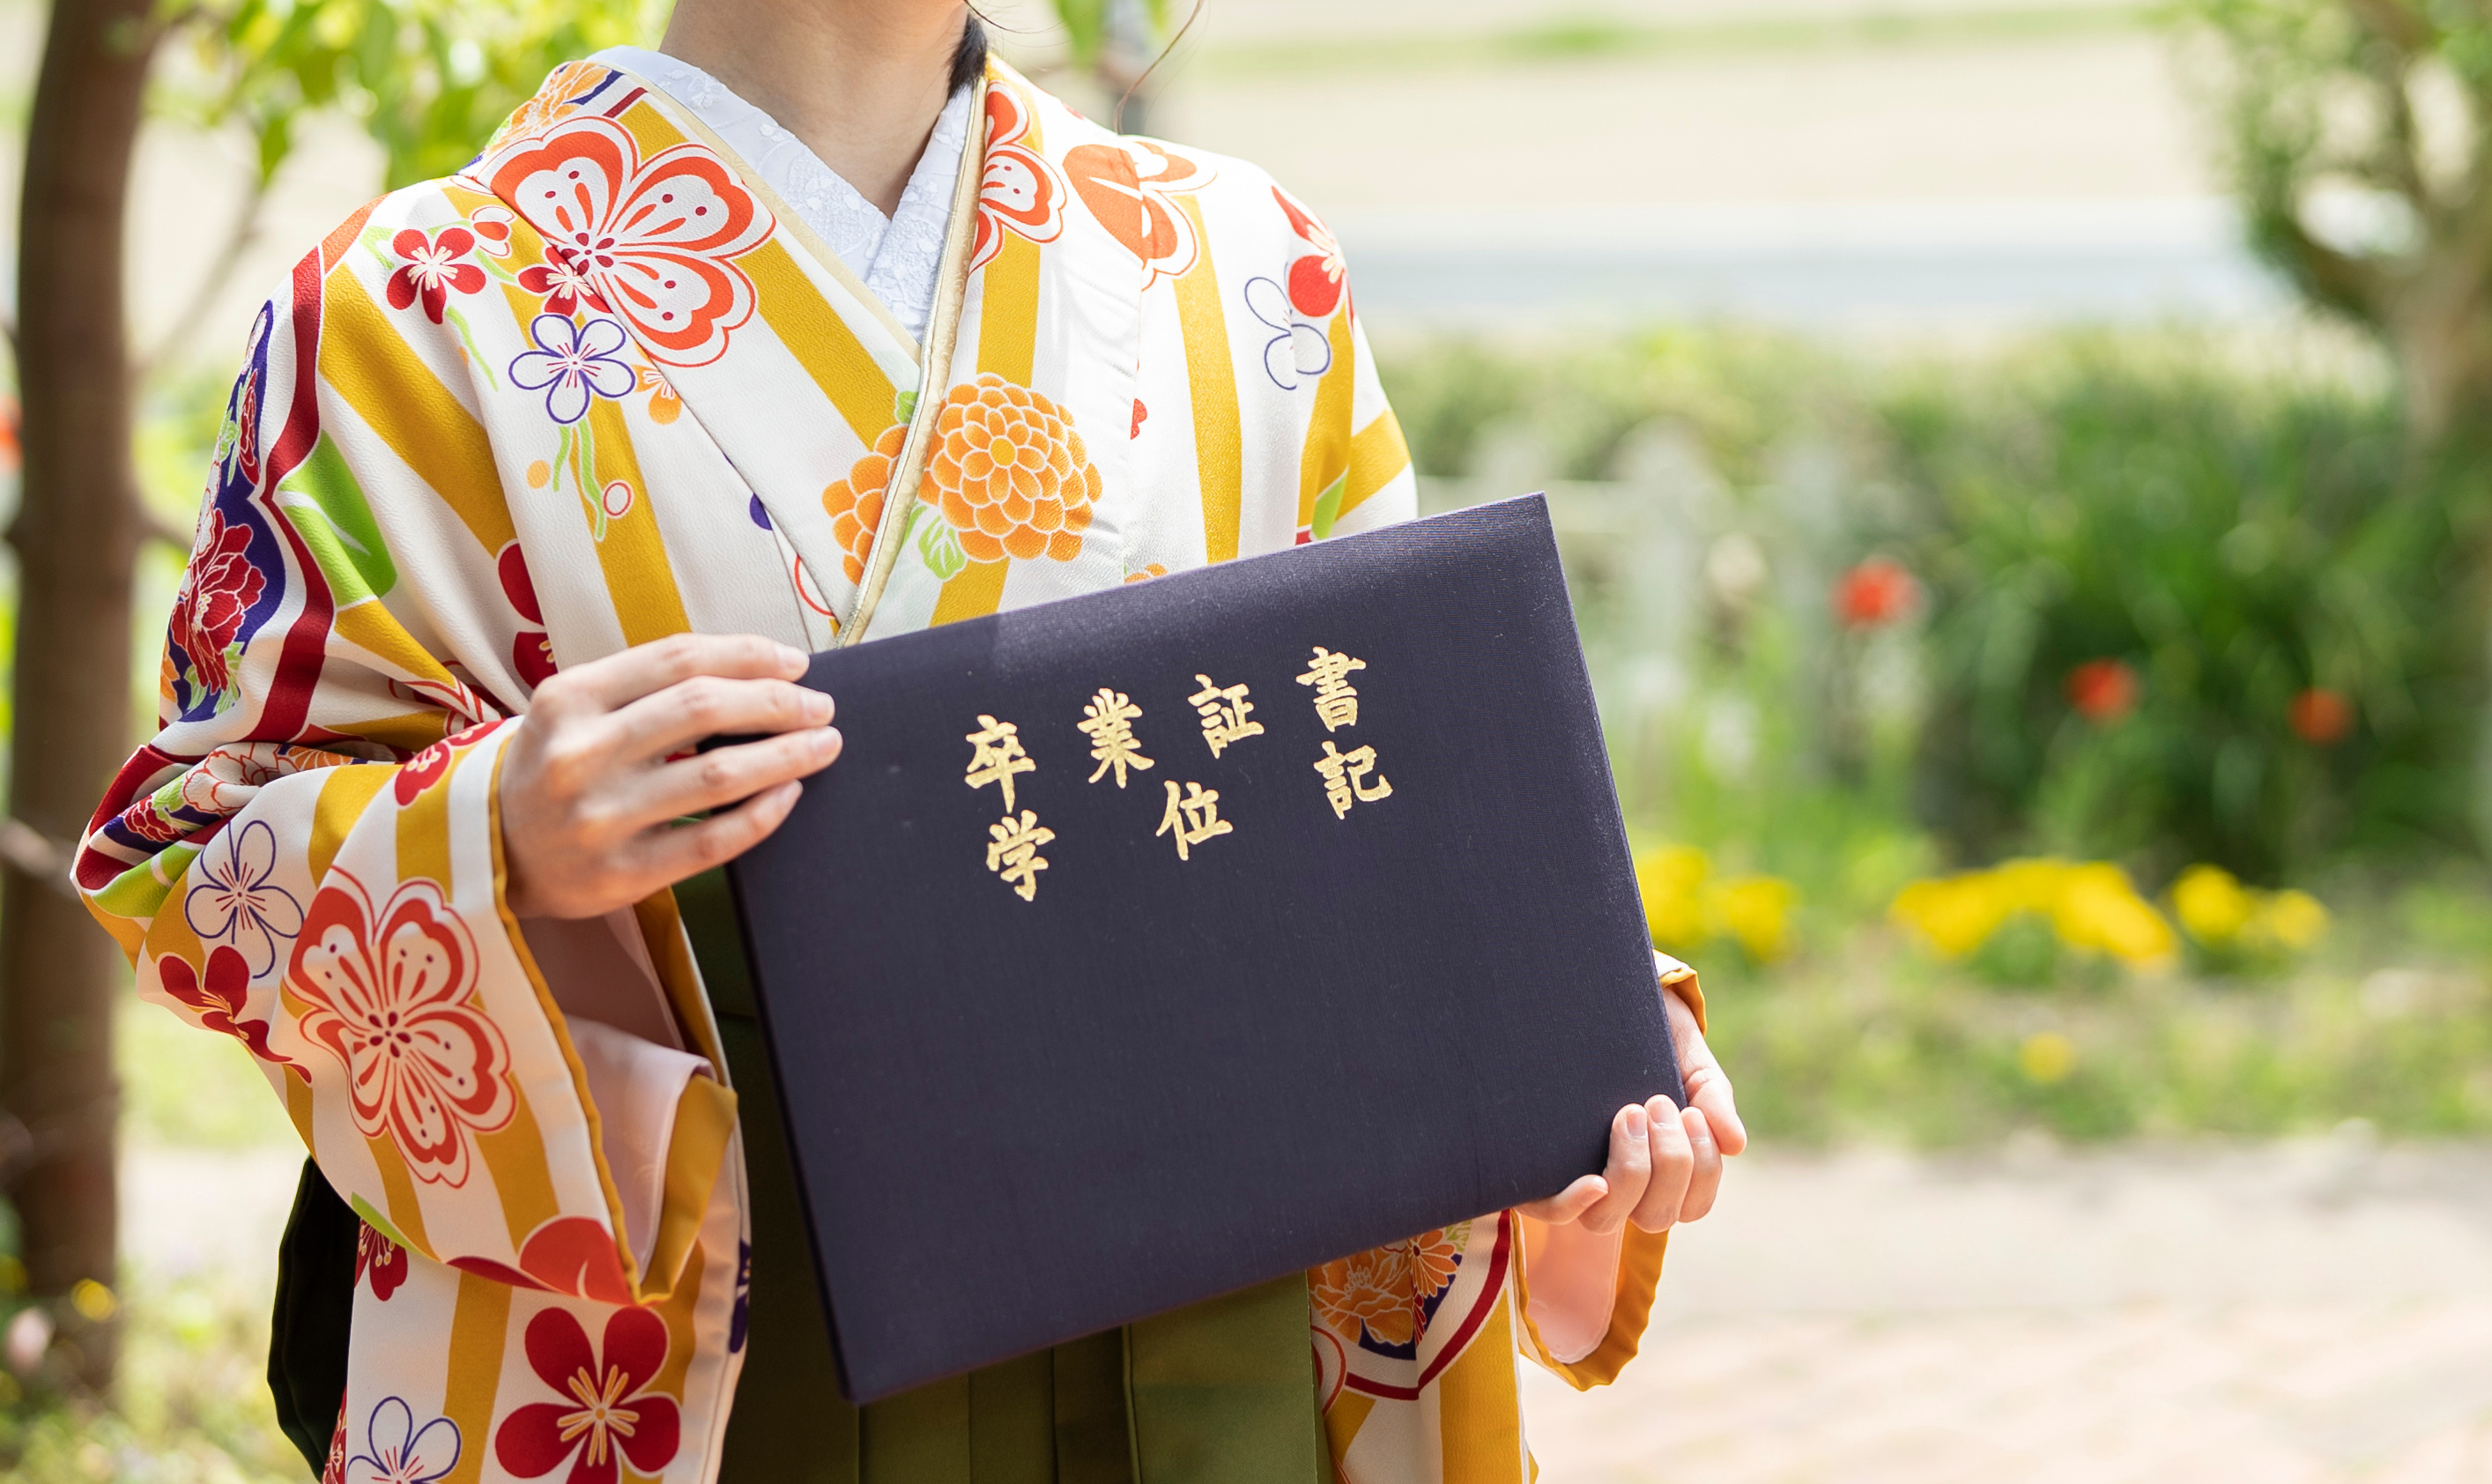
(942, 329)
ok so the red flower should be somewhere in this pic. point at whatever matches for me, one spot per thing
(532, 656)
(381, 1260)
(432, 269)
(1315, 280)
(218, 592)
(1018, 191)
(2320, 717)
(420, 772)
(604, 1412)
(563, 280)
(658, 238)
(2103, 691)
(1874, 594)
(392, 994)
(426, 767)
(219, 1001)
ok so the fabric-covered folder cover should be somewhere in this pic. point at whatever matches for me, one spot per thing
(1150, 944)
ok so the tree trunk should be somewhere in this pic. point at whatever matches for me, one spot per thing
(76, 537)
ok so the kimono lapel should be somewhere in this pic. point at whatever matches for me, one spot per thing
(781, 355)
(1025, 494)
(913, 484)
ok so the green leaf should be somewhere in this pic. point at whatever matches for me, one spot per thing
(941, 549)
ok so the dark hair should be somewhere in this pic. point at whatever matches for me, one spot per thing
(972, 59)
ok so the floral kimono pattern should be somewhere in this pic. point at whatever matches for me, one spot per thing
(594, 390)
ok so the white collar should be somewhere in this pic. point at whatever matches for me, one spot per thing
(900, 256)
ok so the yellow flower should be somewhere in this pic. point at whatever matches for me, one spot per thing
(1757, 912)
(1956, 914)
(1671, 879)
(2291, 919)
(2212, 904)
(2046, 1057)
(2098, 908)
(2090, 906)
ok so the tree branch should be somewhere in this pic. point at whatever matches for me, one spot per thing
(2357, 285)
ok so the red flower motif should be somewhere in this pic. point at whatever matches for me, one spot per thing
(570, 1254)
(420, 772)
(1315, 280)
(218, 592)
(1131, 187)
(391, 996)
(335, 1471)
(218, 1000)
(491, 225)
(2320, 717)
(564, 282)
(656, 239)
(1140, 413)
(1874, 594)
(146, 821)
(428, 767)
(1019, 191)
(432, 269)
(2103, 691)
(604, 1415)
(380, 1260)
(532, 656)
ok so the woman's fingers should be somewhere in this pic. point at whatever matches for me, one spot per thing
(672, 853)
(1630, 1172)
(619, 679)
(719, 777)
(1704, 1181)
(1708, 1089)
(1568, 1203)
(688, 711)
(1674, 1163)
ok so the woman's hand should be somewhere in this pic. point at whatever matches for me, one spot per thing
(1665, 1162)
(592, 790)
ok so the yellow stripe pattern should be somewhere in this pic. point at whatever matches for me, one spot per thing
(1212, 382)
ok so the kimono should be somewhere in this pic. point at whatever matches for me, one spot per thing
(597, 388)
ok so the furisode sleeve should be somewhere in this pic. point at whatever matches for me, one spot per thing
(307, 857)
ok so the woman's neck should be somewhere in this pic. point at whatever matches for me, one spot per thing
(859, 81)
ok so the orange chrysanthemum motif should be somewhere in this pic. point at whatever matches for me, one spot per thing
(854, 504)
(1370, 1290)
(1010, 472)
(1385, 1290)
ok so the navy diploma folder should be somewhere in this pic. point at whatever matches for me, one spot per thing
(1154, 943)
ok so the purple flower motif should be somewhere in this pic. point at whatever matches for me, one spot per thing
(761, 515)
(396, 1453)
(1300, 350)
(233, 898)
(571, 361)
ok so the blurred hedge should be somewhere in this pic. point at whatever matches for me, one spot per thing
(2281, 609)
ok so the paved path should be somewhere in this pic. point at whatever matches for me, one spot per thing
(2302, 1313)
(2298, 1314)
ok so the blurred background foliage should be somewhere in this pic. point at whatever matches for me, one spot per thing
(2057, 734)
(2075, 734)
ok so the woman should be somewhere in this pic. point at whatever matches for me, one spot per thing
(813, 328)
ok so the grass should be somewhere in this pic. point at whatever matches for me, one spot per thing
(1867, 1039)
(192, 1406)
